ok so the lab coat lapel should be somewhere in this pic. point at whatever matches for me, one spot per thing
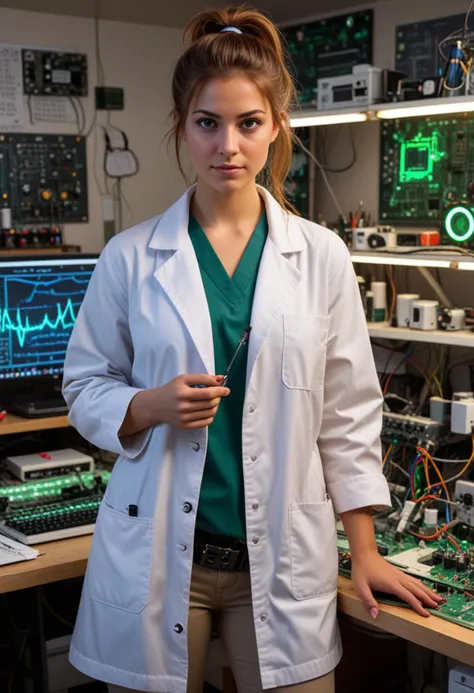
(277, 275)
(178, 273)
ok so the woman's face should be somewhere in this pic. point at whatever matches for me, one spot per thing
(228, 131)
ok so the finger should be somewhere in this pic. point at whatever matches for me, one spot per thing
(199, 414)
(193, 379)
(421, 594)
(437, 597)
(368, 599)
(198, 405)
(206, 393)
(410, 598)
(202, 423)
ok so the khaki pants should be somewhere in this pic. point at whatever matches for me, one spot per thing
(222, 600)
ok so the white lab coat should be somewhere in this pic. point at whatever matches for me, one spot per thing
(311, 445)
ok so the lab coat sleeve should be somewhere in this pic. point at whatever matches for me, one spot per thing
(98, 365)
(349, 440)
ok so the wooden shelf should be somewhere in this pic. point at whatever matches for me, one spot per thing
(16, 424)
(382, 330)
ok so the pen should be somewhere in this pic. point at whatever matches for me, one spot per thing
(242, 342)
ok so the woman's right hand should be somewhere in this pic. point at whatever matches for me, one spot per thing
(181, 403)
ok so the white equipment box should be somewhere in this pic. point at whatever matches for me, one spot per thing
(362, 87)
(42, 465)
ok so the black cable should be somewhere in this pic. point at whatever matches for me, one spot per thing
(78, 118)
(350, 165)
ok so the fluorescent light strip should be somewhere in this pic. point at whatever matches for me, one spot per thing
(412, 262)
(438, 108)
(330, 119)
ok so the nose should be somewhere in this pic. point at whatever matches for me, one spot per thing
(228, 142)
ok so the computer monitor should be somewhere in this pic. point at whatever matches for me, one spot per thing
(39, 300)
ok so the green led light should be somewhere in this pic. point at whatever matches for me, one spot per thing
(465, 215)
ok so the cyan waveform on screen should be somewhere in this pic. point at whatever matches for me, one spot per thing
(48, 287)
(21, 326)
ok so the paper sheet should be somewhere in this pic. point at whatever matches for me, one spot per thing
(12, 551)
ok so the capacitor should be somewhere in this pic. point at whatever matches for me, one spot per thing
(448, 561)
(437, 558)
(5, 218)
(460, 564)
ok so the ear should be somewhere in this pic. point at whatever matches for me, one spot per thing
(281, 123)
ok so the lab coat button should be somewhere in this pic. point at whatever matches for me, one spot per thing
(178, 628)
(255, 506)
(263, 618)
(254, 458)
(256, 540)
(196, 447)
(251, 409)
(183, 547)
(187, 507)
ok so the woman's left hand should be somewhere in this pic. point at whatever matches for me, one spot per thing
(373, 572)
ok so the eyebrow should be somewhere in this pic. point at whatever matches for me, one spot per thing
(247, 114)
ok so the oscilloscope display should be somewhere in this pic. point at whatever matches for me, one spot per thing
(39, 302)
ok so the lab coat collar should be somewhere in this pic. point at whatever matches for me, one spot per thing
(171, 231)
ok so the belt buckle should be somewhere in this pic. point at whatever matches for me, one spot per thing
(218, 558)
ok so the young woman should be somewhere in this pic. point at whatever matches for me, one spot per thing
(220, 512)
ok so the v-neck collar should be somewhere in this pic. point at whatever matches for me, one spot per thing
(233, 288)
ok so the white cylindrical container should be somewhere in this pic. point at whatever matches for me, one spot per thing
(404, 308)
(379, 290)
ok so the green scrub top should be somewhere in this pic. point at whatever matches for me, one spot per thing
(222, 500)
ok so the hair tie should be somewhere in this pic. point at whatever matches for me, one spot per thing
(231, 28)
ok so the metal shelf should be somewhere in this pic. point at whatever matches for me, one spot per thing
(439, 259)
(382, 330)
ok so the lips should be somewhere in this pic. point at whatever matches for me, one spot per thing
(227, 168)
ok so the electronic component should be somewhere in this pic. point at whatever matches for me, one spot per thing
(297, 181)
(29, 238)
(109, 98)
(464, 493)
(52, 509)
(405, 308)
(361, 88)
(451, 319)
(426, 169)
(417, 51)
(54, 73)
(440, 409)
(414, 430)
(373, 237)
(43, 178)
(461, 679)
(459, 224)
(326, 48)
(424, 315)
(47, 464)
(39, 300)
(462, 416)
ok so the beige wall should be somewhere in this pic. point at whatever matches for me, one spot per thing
(362, 181)
(138, 58)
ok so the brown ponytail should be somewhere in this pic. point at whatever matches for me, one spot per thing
(258, 52)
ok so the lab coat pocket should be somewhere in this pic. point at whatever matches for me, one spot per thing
(304, 351)
(118, 572)
(313, 548)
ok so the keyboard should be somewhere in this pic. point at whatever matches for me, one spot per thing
(52, 509)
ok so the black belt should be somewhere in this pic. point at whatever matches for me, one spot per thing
(219, 552)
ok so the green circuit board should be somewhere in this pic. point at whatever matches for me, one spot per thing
(426, 167)
(327, 48)
(437, 563)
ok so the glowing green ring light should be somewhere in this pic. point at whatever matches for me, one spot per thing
(448, 223)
